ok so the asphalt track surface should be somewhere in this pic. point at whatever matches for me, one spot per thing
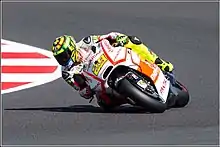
(184, 33)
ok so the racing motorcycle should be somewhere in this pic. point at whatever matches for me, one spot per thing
(121, 71)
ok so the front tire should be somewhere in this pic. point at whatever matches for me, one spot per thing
(152, 105)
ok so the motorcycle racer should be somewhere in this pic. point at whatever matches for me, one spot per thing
(72, 56)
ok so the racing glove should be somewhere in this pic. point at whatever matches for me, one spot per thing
(68, 77)
(122, 40)
(113, 38)
(69, 74)
(75, 79)
(78, 82)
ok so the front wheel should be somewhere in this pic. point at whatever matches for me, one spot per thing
(127, 89)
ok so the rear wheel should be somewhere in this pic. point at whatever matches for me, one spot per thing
(151, 104)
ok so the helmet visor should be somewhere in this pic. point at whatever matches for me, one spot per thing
(63, 57)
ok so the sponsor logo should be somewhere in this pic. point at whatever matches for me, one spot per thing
(142, 84)
(98, 64)
(162, 88)
(135, 38)
(108, 47)
(90, 61)
(87, 40)
(119, 50)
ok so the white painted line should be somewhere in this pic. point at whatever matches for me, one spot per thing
(24, 77)
(23, 87)
(29, 62)
(21, 49)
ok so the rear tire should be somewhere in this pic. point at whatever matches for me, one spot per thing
(152, 105)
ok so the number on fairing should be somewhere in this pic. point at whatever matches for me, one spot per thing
(98, 66)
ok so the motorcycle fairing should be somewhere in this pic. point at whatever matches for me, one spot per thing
(115, 56)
